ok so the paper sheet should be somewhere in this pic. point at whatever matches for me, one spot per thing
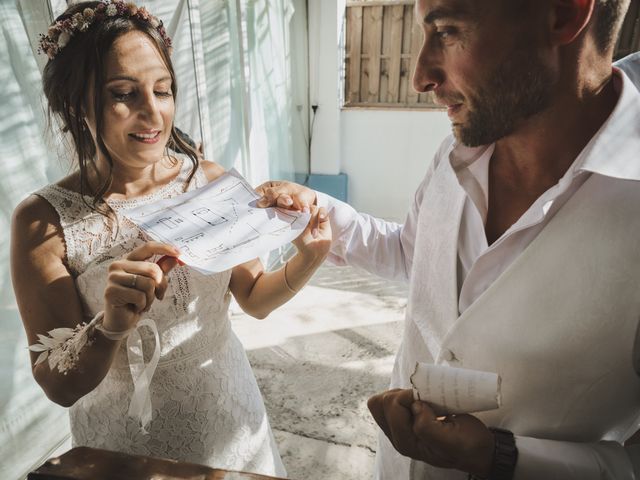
(452, 390)
(218, 226)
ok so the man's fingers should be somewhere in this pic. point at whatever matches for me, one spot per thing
(285, 195)
(284, 201)
(425, 423)
(376, 407)
(269, 194)
(263, 187)
(400, 421)
(404, 397)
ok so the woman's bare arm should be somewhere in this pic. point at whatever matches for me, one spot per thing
(47, 298)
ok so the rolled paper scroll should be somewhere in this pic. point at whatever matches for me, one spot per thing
(450, 390)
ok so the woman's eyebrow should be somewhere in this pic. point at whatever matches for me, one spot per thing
(132, 79)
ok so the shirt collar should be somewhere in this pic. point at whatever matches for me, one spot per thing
(614, 151)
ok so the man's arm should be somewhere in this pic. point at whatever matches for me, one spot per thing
(378, 246)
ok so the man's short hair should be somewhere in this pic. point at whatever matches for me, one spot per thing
(609, 15)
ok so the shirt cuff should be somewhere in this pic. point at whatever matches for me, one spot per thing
(558, 460)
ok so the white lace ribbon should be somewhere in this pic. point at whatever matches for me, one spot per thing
(141, 373)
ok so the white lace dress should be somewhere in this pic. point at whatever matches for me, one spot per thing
(205, 403)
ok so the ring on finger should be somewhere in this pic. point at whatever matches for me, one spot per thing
(134, 280)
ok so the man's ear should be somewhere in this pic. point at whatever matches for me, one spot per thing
(569, 18)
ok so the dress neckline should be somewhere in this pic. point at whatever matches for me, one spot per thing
(130, 202)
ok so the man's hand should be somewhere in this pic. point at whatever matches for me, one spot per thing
(287, 195)
(462, 441)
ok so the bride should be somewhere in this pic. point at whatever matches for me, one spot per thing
(146, 361)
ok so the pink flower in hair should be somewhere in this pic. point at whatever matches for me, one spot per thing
(133, 8)
(143, 13)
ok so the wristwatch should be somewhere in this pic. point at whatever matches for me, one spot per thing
(505, 456)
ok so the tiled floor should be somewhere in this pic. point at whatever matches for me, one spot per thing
(317, 360)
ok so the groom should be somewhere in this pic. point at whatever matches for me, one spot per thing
(521, 246)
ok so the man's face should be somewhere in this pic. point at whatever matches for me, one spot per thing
(482, 62)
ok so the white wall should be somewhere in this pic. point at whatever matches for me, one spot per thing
(323, 86)
(385, 153)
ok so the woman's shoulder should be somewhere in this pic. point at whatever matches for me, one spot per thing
(70, 182)
(40, 210)
(35, 222)
(212, 170)
(37, 206)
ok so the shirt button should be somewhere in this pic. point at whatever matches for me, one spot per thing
(449, 356)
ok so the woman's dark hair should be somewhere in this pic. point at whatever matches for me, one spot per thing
(65, 81)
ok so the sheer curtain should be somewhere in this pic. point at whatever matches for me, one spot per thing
(242, 74)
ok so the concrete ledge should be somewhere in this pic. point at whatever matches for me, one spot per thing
(334, 185)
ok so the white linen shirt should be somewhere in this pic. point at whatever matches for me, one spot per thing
(479, 264)
(631, 66)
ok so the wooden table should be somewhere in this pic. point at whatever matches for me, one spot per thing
(84, 463)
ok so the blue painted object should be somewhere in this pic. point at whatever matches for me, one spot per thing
(334, 185)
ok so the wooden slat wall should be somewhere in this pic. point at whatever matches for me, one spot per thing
(382, 45)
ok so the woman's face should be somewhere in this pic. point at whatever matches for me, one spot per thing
(138, 102)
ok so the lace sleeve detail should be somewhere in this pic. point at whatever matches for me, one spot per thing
(71, 211)
(62, 346)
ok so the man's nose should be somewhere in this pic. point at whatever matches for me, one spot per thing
(428, 74)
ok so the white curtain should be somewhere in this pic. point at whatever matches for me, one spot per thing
(242, 77)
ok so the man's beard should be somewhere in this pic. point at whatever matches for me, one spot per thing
(516, 90)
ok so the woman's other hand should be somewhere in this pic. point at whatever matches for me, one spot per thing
(315, 241)
(134, 282)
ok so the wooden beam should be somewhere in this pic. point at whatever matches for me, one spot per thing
(396, 15)
(416, 45)
(377, 3)
(354, 21)
(373, 18)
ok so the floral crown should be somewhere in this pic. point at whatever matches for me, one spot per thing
(59, 34)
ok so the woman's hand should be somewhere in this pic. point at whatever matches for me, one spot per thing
(314, 242)
(134, 282)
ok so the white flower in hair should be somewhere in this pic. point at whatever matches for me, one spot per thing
(155, 23)
(63, 39)
(111, 10)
